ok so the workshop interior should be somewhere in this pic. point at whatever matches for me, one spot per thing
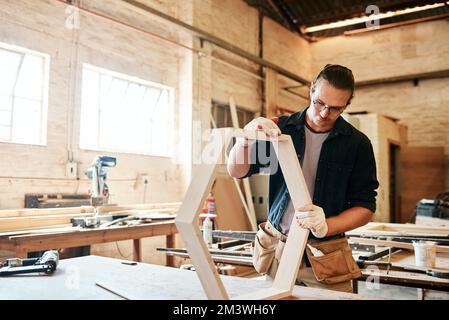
(122, 122)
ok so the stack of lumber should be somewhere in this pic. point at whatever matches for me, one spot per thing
(30, 219)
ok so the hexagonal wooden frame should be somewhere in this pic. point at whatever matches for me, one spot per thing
(187, 225)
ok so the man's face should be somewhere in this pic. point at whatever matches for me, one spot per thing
(327, 103)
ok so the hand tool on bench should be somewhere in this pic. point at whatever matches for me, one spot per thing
(46, 264)
(390, 266)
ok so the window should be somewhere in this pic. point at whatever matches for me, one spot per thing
(125, 114)
(221, 114)
(24, 77)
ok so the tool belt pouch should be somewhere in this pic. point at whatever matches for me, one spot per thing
(264, 249)
(336, 265)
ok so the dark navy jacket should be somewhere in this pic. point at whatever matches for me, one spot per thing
(346, 172)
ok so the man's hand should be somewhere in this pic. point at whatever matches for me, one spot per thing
(312, 217)
(269, 127)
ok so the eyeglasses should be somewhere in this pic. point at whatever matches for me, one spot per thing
(320, 105)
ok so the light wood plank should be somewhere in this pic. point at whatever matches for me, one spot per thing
(272, 293)
(28, 219)
(297, 237)
(94, 236)
(23, 223)
(398, 229)
(146, 206)
(271, 92)
(186, 222)
(395, 244)
(187, 225)
(42, 212)
(230, 212)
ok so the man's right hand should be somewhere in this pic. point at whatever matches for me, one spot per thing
(269, 127)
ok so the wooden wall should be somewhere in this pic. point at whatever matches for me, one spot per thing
(422, 176)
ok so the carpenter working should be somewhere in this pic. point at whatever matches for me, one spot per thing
(339, 168)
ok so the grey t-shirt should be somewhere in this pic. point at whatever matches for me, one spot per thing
(309, 165)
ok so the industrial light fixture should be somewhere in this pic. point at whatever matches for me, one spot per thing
(371, 17)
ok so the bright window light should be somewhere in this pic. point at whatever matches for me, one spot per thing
(120, 113)
(372, 17)
(24, 79)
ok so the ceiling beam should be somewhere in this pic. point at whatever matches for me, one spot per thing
(385, 23)
(217, 41)
(280, 10)
(396, 24)
(411, 77)
(359, 10)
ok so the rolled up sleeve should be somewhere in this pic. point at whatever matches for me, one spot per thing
(258, 152)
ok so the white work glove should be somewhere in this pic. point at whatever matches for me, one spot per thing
(312, 217)
(269, 127)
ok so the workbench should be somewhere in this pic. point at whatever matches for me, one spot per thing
(27, 230)
(77, 278)
(402, 258)
(400, 236)
(412, 279)
(21, 244)
(393, 277)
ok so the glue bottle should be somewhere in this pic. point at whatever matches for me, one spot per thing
(208, 224)
(211, 205)
(208, 227)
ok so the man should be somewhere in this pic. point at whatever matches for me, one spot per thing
(338, 165)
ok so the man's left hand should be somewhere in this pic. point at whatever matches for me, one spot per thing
(312, 217)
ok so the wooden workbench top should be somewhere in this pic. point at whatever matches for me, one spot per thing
(75, 279)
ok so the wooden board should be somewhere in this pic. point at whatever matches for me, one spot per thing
(297, 237)
(230, 212)
(145, 206)
(86, 209)
(42, 212)
(91, 236)
(393, 244)
(398, 229)
(431, 222)
(422, 176)
(55, 229)
(271, 92)
(27, 219)
(187, 225)
(23, 223)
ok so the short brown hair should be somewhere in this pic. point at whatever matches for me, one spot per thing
(338, 76)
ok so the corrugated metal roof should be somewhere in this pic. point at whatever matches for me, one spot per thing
(297, 15)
